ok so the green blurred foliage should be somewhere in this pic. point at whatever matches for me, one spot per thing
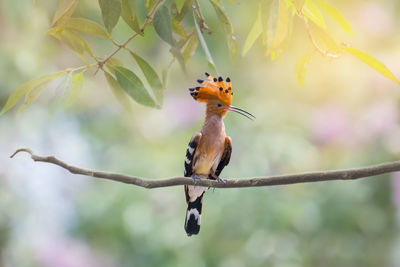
(345, 115)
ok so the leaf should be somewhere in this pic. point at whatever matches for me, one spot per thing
(186, 7)
(299, 5)
(76, 88)
(335, 14)
(372, 62)
(203, 43)
(178, 28)
(279, 30)
(64, 11)
(190, 47)
(110, 11)
(26, 88)
(128, 13)
(264, 8)
(179, 5)
(86, 26)
(323, 41)
(227, 27)
(112, 63)
(151, 77)
(76, 43)
(162, 24)
(300, 68)
(118, 92)
(133, 86)
(312, 12)
(254, 33)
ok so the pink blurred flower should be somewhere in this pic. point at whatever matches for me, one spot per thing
(64, 252)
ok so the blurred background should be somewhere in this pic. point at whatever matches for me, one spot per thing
(345, 115)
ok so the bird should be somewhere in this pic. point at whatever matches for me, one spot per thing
(209, 150)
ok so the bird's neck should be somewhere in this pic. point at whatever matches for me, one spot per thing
(213, 124)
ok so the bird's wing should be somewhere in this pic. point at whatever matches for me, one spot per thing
(190, 151)
(226, 156)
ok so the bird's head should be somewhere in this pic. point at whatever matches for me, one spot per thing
(217, 94)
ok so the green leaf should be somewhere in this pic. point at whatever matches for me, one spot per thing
(76, 43)
(179, 5)
(64, 11)
(254, 33)
(110, 11)
(151, 77)
(27, 88)
(312, 12)
(133, 86)
(86, 26)
(76, 88)
(118, 92)
(300, 68)
(372, 62)
(203, 44)
(129, 14)
(335, 14)
(162, 24)
(227, 27)
(112, 63)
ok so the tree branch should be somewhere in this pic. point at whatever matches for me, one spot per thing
(348, 174)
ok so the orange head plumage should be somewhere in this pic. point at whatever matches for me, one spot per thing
(217, 94)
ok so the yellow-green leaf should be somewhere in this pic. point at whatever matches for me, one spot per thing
(110, 12)
(118, 92)
(76, 88)
(27, 88)
(265, 10)
(151, 77)
(64, 11)
(254, 33)
(372, 62)
(190, 47)
(335, 14)
(227, 27)
(133, 86)
(203, 44)
(178, 28)
(86, 26)
(277, 35)
(184, 10)
(128, 14)
(76, 43)
(179, 5)
(300, 68)
(312, 12)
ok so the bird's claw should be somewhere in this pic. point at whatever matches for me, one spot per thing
(195, 177)
(220, 180)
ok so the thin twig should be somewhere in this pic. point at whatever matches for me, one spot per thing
(202, 22)
(348, 174)
(145, 23)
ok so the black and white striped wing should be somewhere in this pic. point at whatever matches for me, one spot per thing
(226, 156)
(190, 151)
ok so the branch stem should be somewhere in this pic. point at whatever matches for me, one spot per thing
(347, 174)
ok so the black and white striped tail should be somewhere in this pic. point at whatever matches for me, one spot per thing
(193, 216)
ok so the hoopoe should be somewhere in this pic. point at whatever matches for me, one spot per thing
(209, 150)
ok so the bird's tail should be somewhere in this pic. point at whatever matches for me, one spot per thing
(193, 216)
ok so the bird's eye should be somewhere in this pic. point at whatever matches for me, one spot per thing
(219, 105)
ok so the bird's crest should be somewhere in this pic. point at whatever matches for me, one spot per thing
(213, 88)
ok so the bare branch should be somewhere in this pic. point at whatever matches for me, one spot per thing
(348, 174)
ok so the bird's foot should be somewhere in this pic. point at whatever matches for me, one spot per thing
(195, 177)
(219, 180)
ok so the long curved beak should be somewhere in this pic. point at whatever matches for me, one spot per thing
(241, 112)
